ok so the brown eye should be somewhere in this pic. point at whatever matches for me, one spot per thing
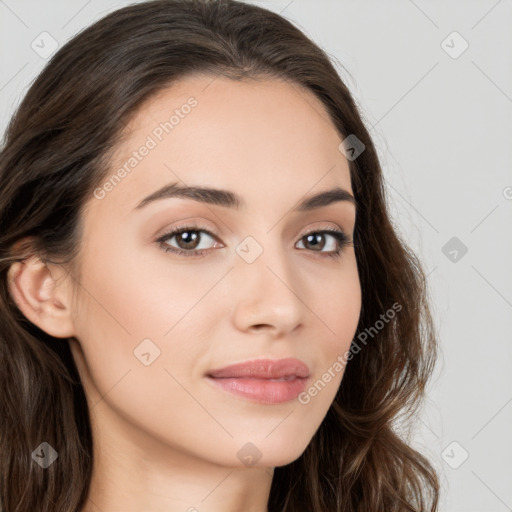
(187, 241)
(316, 242)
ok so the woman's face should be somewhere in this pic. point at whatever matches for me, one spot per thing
(151, 324)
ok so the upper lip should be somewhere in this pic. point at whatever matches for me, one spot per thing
(264, 369)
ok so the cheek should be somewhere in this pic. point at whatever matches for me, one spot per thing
(135, 311)
(339, 307)
(140, 293)
(142, 332)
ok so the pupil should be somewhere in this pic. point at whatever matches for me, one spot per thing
(313, 237)
(192, 238)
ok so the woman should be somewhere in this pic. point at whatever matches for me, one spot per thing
(204, 304)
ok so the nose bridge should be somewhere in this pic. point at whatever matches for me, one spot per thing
(267, 284)
(266, 260)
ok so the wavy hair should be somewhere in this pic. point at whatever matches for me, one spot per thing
(56, 151)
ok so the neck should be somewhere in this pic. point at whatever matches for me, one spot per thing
(134, 471)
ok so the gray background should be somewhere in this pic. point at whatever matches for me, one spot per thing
(442, 122)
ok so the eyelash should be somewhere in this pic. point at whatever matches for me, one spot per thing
(340, 236)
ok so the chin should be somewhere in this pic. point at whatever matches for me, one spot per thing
(281, 454)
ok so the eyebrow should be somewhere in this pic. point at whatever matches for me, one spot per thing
(228, 199)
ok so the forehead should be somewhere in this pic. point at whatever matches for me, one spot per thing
(264, 138)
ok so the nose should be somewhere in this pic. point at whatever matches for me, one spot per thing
(267, 294)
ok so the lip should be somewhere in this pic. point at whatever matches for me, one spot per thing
(263, 381)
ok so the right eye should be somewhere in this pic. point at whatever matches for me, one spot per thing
(188, 239)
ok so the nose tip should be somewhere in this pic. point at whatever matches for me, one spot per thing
(265, 297)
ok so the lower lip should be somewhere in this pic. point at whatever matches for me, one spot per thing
(263, 391)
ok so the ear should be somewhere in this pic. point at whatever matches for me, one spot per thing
(35, 287)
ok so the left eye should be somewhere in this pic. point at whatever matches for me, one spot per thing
(317, 239)
(188, 240)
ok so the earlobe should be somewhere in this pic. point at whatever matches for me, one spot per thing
(34, 289)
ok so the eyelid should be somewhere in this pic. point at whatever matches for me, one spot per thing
(329, 227)
(194, 226)
(188, 224)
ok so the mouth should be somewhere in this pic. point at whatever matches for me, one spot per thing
(263, 381)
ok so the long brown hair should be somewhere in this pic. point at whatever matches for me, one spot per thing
(55, 153)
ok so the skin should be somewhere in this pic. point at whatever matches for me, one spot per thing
(164, 438)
